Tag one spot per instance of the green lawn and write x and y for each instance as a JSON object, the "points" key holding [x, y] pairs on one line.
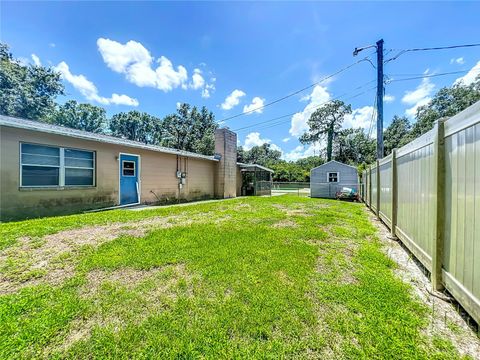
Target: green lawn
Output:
{"points": [[279, 277]]}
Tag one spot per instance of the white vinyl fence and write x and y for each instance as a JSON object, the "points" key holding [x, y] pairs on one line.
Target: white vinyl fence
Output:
{"points": [[428, 194]]}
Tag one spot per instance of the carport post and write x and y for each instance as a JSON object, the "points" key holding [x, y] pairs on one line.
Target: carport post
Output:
{"points": [[394, 194], [377, 200], [439, 204]]}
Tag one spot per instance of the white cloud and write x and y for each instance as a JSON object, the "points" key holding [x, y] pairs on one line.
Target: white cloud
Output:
{"points": [[121, 100], [207, 90], [318, 97], [198, 81], [52, 45], [255, 106], [232, 100], [418, 97], [89, 90], [254, 139], [36, 60], [302, 151], [135, 61], [359, 118], [167, 77], [388, 98], [119, 57], [469, 77], [411, 112], [275, 147], [287, 139], [459, 61]]}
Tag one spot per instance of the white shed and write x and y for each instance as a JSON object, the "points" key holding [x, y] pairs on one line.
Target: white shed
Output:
{"points": [[327, 179]]}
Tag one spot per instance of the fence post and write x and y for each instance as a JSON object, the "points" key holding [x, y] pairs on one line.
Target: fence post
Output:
{"points": [[377, 200], [394, 189], [439, 204]]}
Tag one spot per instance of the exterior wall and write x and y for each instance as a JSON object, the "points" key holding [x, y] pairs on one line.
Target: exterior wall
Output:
{"points": [[319, 185], [226, 146], [157, 174]]}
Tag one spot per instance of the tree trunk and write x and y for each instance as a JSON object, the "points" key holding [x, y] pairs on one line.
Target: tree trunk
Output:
{"points": [[329, 144]]}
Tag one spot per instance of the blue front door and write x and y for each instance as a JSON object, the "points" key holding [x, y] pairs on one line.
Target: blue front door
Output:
{"points": [[129, 186]]}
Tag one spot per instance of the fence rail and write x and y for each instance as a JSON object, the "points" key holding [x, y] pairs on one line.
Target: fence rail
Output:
{"points": [[428, 194], [297, 188], [282, 185]]}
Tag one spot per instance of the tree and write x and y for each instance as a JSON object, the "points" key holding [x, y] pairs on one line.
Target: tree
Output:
{"points": [[190, 130], [310, 162], [295, 170], [26, 91], [447, 102], [137, 126], [288, 172], [262, 155], [353, 146], [396, 134], [326, 121], [79, 116], [241, 154]]}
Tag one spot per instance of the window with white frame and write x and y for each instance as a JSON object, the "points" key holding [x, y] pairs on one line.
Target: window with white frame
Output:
{"points": [[332, 177], [128, 168], [44, 166]]}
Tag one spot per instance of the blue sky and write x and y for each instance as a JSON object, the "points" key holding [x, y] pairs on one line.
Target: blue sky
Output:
{"points": [[232, 57]]}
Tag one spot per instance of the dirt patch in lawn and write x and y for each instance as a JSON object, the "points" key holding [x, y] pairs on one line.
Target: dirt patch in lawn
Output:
{"points": [[285, 224], [297, 210], [52, 259], [446, 319], [129, 279], [138, 294], [339, 269]]}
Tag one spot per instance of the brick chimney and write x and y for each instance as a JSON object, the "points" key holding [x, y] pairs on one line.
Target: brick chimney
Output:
{"points": [[226, 179]]}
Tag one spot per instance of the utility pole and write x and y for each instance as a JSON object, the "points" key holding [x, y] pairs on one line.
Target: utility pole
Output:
{"points": [[380, 90], [380, 99]]}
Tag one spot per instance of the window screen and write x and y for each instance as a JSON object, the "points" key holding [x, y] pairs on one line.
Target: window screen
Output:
{"points": [[55, 166], [333, 177], [40, 165]]}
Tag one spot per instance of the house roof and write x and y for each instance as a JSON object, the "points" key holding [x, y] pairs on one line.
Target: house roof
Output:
{"points": [[9, 121], [333, 161], [250, 166]]}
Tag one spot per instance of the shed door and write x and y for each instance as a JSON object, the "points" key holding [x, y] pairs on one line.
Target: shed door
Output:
{"points": [[129, 187], [333, 188]]}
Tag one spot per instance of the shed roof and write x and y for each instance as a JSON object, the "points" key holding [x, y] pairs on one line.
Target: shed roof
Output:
{"points": [[9, 121], [337, 162], [251, 167]]}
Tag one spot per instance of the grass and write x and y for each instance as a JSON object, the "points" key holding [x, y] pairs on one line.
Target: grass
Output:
{"points": [[280, 277]]}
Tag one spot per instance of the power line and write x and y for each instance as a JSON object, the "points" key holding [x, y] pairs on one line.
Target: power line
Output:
{"points": [[297, 91], [430, 49], [422, 76], [286, 121], [352, 97], [372, 117], [283, 116]]}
